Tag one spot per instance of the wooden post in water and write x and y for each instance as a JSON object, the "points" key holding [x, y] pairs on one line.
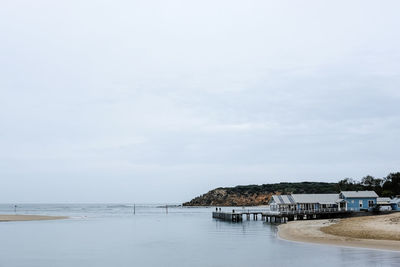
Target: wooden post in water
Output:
{"points": [[166, 209], [134, 209]]}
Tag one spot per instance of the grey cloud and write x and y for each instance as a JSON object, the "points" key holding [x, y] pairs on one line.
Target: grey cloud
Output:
{"points": [[157, 101]]}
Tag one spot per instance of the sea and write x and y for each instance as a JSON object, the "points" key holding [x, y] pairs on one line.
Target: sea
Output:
{"points": [[113, 235]]}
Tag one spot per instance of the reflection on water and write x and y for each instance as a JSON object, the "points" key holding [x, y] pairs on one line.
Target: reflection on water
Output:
{"points": [[111, 235]]}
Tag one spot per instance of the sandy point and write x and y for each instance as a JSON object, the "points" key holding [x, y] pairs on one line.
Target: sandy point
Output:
{"points": [[12, 218], [374, 232]]}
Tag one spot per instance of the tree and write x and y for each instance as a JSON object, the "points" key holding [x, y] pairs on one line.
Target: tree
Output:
{"points": [[392, 183], [368, 181], [349, 184], [386, 193], [372, 183]]}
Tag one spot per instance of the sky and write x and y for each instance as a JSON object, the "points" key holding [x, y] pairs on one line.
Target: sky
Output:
{"points": [[161, 101]]}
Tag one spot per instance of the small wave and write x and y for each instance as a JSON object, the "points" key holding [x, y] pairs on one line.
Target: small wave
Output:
{"points": [[119, 206]]}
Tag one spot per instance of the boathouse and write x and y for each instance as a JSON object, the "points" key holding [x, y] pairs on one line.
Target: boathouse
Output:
{"points": [[359, 200], [306, 202], [395, 203], [383, 204], [383, 201]]}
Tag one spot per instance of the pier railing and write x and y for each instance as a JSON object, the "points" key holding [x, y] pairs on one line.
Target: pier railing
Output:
{"points": [[245, 211], [300, 212], [277, 216], [252, 211], [282, 212]]}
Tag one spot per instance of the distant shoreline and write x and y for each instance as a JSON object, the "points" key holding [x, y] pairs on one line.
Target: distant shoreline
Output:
{"points": [[373, 232], [16, 218]]}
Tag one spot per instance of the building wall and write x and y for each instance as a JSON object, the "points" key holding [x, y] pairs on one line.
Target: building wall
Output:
{"points": [[307, 206], [353, 204], [395, 206]]}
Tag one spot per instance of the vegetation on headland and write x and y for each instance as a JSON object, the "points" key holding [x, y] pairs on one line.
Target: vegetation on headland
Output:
{"points": [[252, 195], [385, 187]]}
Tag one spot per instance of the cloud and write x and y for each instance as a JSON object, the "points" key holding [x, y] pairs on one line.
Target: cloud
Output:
{"points": [[187, 96]]}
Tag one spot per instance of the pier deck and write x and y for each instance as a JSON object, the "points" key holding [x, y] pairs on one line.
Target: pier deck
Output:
{"points": [[279, 216]]}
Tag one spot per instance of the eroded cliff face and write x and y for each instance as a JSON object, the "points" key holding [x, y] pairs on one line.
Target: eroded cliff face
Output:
{"points": [[221, 197]]}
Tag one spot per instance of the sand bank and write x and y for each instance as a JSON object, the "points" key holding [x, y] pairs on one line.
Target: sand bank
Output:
{"points": [[377, 232], [8, 218]]}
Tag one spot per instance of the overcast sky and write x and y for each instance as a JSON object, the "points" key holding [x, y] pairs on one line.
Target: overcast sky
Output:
{"points": [[161, 101]]}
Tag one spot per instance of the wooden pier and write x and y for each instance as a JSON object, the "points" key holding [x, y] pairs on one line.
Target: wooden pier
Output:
{"points": [[228, 216], [237, 216], [279, 216]]}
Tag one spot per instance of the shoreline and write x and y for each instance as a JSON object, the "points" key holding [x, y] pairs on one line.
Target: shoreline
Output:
{"points": [[20, 218], [361, 232]]}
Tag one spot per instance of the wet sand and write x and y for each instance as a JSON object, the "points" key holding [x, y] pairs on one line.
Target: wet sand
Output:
{"points": [[12, 218], [376, 232]]}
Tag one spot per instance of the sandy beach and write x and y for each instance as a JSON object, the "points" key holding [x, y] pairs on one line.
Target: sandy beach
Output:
{"points": [[376, 232], [12, 218]]}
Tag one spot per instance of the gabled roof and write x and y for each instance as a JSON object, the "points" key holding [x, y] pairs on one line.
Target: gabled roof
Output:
{"points": [[383, 200], [359, 194], [316, 198], [306, 198], [395, 200], [283, 199]]}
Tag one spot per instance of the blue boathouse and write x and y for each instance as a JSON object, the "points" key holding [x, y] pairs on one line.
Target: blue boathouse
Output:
{"points": [[359, 200]]}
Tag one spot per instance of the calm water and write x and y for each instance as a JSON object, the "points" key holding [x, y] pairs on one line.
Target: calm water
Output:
{"points": [[110, 235]]}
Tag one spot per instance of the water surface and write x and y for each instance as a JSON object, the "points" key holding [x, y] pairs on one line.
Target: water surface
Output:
{"points": [[111, 235]]}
